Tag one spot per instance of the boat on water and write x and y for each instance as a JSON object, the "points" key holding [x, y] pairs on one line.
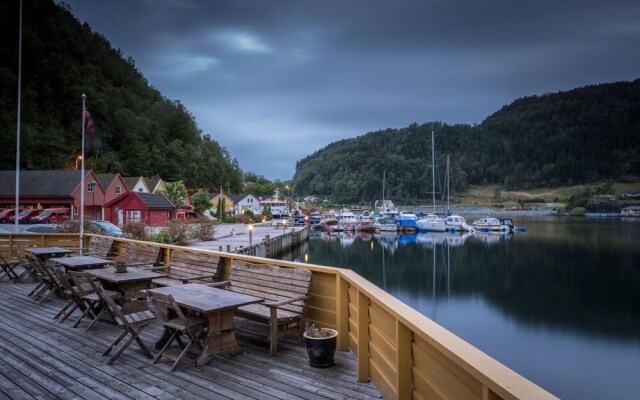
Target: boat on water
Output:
{"points": [[347, 220], [457, 223], [365, 222], [329, 218], [489, 224], [510, 226], [432, 223], [385, 224]]}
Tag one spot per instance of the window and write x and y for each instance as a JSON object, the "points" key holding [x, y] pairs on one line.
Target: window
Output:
{"points": [[118, 189], [140, 190], [90, 187], [76, 210], [133, 215]]}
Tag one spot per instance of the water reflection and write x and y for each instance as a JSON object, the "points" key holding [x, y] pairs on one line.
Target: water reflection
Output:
{"points": [[547, 302], [579, 280]]}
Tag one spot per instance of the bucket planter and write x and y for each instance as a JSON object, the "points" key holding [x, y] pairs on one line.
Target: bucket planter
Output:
{"points": [[321, 346]]}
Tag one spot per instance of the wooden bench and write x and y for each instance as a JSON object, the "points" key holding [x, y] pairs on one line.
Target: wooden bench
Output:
{"points": [[285, 291], [99, 247], [186, 267], [140, 255]]}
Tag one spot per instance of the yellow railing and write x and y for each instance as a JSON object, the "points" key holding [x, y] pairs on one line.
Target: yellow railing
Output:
{"points": [[403, 352]]}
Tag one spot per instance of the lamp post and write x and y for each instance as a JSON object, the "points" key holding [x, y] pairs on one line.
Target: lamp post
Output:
{"points": [[250, 234]]}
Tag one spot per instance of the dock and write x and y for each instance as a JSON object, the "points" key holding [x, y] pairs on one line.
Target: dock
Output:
{"points": [[238, 238], [43, 358]]}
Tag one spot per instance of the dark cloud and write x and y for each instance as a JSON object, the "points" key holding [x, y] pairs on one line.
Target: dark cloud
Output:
{"points": [[273, 81]]}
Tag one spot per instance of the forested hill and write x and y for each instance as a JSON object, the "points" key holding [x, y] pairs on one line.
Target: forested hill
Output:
{"points": [[137, 130], [571, 137]]}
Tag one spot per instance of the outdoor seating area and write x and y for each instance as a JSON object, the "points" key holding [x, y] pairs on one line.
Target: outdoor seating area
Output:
{"points": [[131, 325]]}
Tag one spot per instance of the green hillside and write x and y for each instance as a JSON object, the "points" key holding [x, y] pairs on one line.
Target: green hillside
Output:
{"points": [[138, 131], [583, 135]]}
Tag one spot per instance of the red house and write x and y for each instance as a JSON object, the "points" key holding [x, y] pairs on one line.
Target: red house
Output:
{"points": [[152, 209]]}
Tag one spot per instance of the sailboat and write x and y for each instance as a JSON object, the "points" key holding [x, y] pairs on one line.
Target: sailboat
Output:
{"points": [[385, 223], [454, 222], [432, 223]]}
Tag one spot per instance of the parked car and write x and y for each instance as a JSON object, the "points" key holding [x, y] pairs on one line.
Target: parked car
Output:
{"points": [[41, 228], [107, 228], [6, 215], [52, 215], [2, 230], [25, 216]]}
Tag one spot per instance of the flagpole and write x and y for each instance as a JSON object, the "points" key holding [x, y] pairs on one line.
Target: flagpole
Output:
{"points": [[84, 97], [18, 123]]}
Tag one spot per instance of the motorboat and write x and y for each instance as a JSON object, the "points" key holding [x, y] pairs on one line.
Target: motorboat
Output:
{"points": [[385, 224], [457, 223], [489, 224], [431, 223]]}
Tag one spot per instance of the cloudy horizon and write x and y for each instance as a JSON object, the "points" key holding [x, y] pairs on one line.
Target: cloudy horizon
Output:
{"points": [[276, 81]]}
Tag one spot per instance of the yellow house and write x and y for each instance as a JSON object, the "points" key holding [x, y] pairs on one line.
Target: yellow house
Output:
{"points": [[215, 198]]}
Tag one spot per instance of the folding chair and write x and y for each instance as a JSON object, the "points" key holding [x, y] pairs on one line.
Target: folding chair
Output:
{"points": [[90, 302], [69, 291], [190, 326], [8, 269], [28, 268], [132, 322], [47, 285]]}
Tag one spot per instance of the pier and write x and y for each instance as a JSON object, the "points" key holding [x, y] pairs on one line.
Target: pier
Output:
{"points": [[263, 240]]}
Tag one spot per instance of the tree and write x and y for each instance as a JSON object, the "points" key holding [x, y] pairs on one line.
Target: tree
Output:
{"points": [[176, 192], [200, 202]]}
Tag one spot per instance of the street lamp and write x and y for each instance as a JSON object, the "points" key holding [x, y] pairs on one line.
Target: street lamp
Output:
{"points": [[250, 233], [284, 226]]}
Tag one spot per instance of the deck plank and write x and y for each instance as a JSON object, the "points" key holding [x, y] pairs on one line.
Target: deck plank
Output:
{"points": [[43, 358]]}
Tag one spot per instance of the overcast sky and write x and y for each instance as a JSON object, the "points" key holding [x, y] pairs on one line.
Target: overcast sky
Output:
{"points": [[274, 81]]}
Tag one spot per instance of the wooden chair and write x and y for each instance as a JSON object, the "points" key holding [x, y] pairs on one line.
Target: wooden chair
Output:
{"points": [[91, 304], [8, 269], [47, 284], [132, 322], [184, 325], [28, 268], [69, 291]]}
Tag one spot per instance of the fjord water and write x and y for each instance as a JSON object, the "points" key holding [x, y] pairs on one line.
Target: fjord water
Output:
{"points": [[559, 304]]}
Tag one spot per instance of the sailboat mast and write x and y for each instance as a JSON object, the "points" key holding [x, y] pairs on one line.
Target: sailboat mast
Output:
{"points": [[433, 172], [448, 190], [384, 176]]}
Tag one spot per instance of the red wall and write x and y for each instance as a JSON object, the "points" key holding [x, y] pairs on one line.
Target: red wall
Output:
{"points": [[158, 217]]}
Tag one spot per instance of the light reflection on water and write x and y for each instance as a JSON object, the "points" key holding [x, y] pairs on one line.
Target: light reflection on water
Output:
{"points": [[559, 304]]}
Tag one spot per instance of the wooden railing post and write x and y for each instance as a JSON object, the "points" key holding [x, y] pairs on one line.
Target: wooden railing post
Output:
{"points": [[363, 337], [342, 312], [404, 361]]}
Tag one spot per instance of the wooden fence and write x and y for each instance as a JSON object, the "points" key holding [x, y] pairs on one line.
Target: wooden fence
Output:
{"points": [[403, 352]]}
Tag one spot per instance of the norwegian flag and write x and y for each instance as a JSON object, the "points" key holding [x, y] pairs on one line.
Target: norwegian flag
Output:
{"points": [[90, 126]]}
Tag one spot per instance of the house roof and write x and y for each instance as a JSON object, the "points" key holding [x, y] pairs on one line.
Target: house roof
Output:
{"points": [[131, 181], [156, 201], [152, 182], [238, 197], [54, 183], [151, 200], [105, 180]]}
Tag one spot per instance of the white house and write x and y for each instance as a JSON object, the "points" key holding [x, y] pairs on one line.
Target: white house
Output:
{"points": [[244, 202]]}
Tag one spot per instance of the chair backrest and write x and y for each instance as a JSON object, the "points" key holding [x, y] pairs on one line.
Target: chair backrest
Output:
{"points": [[163, 303], [38, 265], [62, 280], [80, 279], [100, 247], [17, 255], [271, 283], [118, 315]]}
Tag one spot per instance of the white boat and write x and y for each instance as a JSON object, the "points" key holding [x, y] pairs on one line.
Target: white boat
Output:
{"points": [[488, 224], [432, 222], [457, 223], [408, 215], [385, 224], [347, 219]]}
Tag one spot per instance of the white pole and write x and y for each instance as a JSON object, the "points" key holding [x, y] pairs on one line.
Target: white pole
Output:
{"points": [[18, 123], [84, 97], [433, 172]]}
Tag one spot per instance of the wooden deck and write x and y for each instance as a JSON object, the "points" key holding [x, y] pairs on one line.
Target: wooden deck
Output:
{"points": [[43, 358]]}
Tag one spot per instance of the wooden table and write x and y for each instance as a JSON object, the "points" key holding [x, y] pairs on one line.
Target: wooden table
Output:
{"points": [[217, 306], [131, 284], [45, 253], [80, 263]]}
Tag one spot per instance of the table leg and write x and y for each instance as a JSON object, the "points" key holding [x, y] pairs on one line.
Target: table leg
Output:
{"points": [[220, 336]]}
